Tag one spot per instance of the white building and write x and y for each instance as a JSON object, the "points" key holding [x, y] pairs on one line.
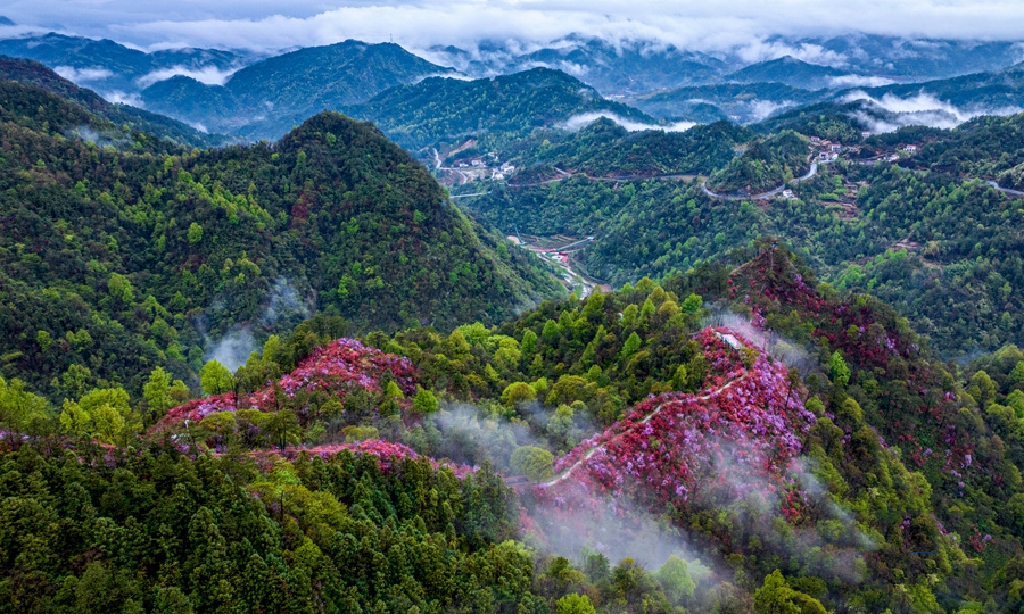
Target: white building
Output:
{"points": [[788, 194], [507, 168], [477, 162]]}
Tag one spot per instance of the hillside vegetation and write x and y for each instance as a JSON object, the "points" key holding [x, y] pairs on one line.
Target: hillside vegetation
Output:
{"points": [[115, 261]]}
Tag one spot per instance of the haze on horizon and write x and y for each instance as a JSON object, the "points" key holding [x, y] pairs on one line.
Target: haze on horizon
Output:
{"points": [[274, 25]]}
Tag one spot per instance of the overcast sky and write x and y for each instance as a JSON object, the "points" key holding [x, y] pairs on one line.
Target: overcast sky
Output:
{"points": [[268, 25]]}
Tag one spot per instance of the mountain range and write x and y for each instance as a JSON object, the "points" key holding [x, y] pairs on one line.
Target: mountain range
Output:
{"points": [[253, 97], [268, 98], [116, 71]]}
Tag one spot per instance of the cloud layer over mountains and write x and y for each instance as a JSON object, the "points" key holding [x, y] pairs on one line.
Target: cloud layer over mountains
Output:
{"points": [[279, 24]]}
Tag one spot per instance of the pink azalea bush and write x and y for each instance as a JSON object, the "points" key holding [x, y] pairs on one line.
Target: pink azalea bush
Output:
{"points": [[337, 367], [388, 453], [734, 439]]}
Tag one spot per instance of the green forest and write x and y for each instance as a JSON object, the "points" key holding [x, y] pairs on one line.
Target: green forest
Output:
{"points": [[115, 261]]}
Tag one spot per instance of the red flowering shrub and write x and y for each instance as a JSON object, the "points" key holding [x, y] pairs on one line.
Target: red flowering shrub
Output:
{"points": [[337, 367], [386, 451], [734, 439], [916, 407]]}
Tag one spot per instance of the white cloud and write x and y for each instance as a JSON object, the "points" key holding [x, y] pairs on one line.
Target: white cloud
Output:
{"points": [[859, 81], [923, 109], [576, 122], [82, 75], [705, 24], [455, 76], [210, 75], [760, 51], [119, 97], [762, 109]]}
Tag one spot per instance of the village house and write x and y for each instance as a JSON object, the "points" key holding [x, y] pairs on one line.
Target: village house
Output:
{"points": [[788, 194], [910, 148]]}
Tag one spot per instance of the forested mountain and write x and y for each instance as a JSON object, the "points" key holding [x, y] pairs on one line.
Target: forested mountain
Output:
{"points": [[35, 74], [266, 99], [987, 147], [790, 71], [440, 109], [117, 260], [842, 122]]}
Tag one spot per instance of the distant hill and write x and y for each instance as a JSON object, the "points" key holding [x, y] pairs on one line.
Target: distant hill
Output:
{"points": [[197, 103], [984, 93], [793, 72], [440, 109], [5, 21], [266, 99], [33, 73], [914, 59], [625, 68], [640, 67], [740, 102]]}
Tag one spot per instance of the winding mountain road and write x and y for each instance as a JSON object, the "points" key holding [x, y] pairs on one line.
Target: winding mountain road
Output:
{"points": [[763, 195], [1005, 190], [565, 474]]}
